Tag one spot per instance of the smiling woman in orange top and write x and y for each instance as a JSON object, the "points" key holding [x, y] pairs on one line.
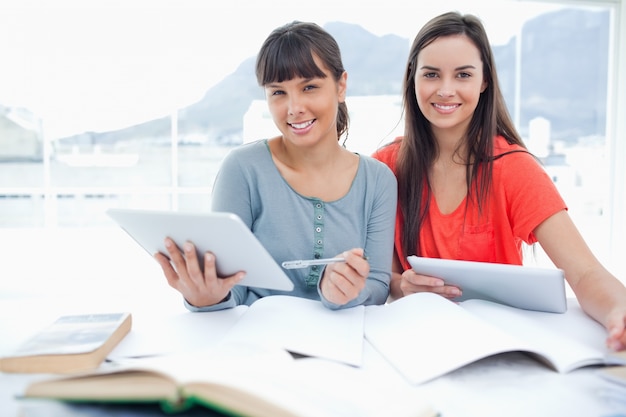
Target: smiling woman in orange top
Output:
{"points": [[468, 188]]}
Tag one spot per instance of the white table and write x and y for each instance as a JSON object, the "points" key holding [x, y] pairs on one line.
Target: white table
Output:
{"points": [[54, 272]]}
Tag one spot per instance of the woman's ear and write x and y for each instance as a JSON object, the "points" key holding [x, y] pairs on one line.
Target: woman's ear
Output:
{"points": [[342, 86]]}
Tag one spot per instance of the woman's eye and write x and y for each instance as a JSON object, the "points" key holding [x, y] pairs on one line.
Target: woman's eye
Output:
{"points": [[430, 75], [278, 93], [464, 75], [309, 87]]}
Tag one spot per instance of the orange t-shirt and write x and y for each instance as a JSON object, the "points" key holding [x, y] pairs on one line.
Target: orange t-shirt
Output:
{"points": [[522, 196]]}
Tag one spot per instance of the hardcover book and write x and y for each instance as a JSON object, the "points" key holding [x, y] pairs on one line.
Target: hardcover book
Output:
{"points": [[70, 344], [237, 379]]}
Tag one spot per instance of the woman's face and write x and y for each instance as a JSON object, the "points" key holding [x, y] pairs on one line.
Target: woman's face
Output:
{"points": [[305, 110], [448, 83]]}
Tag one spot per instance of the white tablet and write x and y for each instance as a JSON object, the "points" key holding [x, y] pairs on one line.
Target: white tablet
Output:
{"points": [[225, 234], [530, 288]]}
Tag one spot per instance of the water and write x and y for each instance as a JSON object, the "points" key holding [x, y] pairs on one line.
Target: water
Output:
{"points": [[78, 197]]}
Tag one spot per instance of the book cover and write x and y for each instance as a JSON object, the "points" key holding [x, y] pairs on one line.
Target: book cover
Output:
{"points": [[72, 343]]}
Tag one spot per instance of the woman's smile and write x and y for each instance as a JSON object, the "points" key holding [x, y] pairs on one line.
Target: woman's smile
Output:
{"points": [[446, 108], [301, 127]]}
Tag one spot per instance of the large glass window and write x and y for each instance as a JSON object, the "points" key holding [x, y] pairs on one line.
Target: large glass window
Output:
{"points": [[134, 104]]}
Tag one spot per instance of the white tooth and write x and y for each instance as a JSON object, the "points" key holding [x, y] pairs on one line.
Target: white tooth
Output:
{"points": [[301, 125]]}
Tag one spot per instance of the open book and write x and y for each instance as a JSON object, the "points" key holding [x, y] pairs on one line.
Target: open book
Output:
{"points": [[616, 373], [303, 327], [298, 325], [239, 379], [72, 343], [424, 335]]}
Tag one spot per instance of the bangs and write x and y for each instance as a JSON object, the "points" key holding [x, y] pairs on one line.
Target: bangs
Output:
{"points": [[287, 58]]}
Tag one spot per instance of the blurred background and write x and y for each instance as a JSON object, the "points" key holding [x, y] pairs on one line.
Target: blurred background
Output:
{"points": [[135, 103]]}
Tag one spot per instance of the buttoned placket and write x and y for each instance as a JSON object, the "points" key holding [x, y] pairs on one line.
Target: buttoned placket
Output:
{"points": [[318, 248]]}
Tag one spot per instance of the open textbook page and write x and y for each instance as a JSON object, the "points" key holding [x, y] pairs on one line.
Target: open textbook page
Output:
{"points": [[163, 332], [299, 325], [239, 379], [303, 326], [424, 335]]}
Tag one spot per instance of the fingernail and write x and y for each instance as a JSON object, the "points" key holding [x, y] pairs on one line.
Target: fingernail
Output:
{"points": [[188, 247], [208, 257]]}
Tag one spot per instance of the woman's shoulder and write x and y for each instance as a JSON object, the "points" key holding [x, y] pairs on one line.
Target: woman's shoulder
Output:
{"points": [[505, 152], [249, 147], [373, 163], [502, 146], [512, 161], [247, 150], [247, 157], [388, 153], [376, 172]]}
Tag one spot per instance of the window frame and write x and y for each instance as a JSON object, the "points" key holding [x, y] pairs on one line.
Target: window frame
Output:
{"points": [[616, 129]]}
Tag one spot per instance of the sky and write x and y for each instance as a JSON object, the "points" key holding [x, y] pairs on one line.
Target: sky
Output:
{"points": [[97, 65]]}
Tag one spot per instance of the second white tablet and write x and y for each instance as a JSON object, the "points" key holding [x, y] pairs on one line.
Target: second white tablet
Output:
{"points": [[530, 288]]}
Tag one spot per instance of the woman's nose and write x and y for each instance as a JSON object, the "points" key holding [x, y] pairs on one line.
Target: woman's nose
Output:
{"points": [[446, 88], [445, 92], [295, 105]]}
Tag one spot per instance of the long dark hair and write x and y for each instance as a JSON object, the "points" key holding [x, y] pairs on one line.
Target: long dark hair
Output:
{"points": [[288, 52], [418, 149]]}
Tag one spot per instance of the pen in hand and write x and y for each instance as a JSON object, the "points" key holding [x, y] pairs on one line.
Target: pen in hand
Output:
{"points": [[304, 263]]}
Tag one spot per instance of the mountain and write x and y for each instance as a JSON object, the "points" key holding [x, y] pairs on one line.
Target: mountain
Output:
{"points": [[559, 53], [565, 73], [374, 64]]}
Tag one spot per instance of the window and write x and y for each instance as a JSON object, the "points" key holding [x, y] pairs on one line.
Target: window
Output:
{"points": [[135, 105]]}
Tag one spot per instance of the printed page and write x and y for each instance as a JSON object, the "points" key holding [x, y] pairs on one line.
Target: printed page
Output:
{"points": [[115, 381], [303, 326], [298, 385], [424, 336], [165, 333], [346, 391], [569, 340], [238, 373]]}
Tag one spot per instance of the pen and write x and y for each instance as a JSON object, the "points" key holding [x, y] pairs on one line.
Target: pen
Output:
{"points": [[304, 263]]}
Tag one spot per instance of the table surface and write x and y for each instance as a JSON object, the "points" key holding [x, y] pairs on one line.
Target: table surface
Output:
{"points": [[48, 273]]}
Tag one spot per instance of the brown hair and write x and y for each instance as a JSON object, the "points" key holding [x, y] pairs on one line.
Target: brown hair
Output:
{"points": [[418, 149], [288, 53]]}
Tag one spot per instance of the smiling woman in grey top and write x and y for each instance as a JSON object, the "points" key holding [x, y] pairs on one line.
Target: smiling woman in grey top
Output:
{"points": [[302, 194], [293, 226]]}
